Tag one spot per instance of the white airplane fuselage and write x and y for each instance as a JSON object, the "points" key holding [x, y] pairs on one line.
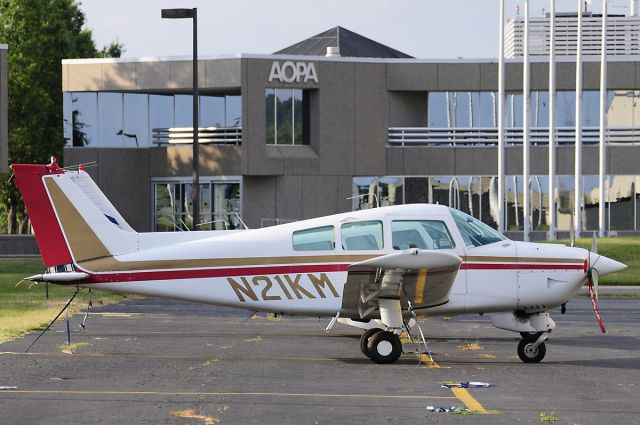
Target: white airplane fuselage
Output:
{"points": [[259, 270]]}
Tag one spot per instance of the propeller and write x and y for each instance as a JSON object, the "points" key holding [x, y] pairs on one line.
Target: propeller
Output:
{"points": [[592, 275]]}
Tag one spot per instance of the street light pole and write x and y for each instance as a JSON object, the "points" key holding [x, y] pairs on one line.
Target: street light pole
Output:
{"points": [[195, 194]]}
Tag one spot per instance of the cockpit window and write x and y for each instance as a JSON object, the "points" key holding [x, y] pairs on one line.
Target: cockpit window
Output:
{"points": [[316, 239], [421, 234], [362, 235], [473, 231]]}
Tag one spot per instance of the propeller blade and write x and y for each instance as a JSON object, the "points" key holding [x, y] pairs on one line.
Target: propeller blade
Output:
{"points": [[594, 278], [594, 244], [594, 303]]}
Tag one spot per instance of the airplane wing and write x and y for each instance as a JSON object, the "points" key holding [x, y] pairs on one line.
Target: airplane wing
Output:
{"points": [[424, 277]]}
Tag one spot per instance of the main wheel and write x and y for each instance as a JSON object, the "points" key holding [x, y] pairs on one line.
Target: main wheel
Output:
{"points": [[528, 353], [384, 347], [364, 339]]}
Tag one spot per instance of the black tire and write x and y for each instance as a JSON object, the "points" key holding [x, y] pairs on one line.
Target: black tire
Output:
{"points": [[528, 354], [364, 339], [530, 336], [384, 347]]}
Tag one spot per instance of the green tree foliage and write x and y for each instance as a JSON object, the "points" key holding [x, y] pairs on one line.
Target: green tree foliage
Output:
{"points": [[39, 33]]}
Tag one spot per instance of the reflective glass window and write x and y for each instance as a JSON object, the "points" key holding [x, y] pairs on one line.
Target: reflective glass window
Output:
{"points": [[136, 114], [363, 235], [233, 110], [226, 205], [212, 111], [271, 116], [540, 109], [110, 119], [513, 103], [437, 110], [160, 111], [316, 239], [624, 108], [421, 234], [84, 119], [183, 107], [285, 116], [566, 108], [67, 119]]}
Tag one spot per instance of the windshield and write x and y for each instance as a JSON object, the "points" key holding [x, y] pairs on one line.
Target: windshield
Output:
{"points": [[473, 231]]}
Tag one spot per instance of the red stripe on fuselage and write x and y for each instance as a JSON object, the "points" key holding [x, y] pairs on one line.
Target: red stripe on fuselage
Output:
{"points": [[209, 273], [135, 276]]}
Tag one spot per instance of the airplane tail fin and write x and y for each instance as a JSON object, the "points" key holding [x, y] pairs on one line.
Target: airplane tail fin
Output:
{"points": [[72, 219]]}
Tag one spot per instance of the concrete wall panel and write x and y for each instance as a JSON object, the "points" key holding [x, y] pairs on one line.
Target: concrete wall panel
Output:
{"points": [[258, 199], [395, 161], [344, 190], [289, 197], [407, 109], [173, 161], [621, 75], [623, 160], [85, 77], [429, 161], [119, 76], [489, 76], [418, 77], [223, 73], [153, 75], [337, 118], [182, 74], [320, 196], [130, 190], [371, 119], [459, 76], [472, 162]]}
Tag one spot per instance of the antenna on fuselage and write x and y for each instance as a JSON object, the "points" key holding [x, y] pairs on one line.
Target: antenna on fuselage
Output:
{"points": [[242, 222], [367, 194]]}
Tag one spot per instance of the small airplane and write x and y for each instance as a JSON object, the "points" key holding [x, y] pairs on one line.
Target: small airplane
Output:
{"points": [[376, 269]]}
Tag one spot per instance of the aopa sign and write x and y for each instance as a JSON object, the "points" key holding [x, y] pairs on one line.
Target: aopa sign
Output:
{"points": [[293, 72]]}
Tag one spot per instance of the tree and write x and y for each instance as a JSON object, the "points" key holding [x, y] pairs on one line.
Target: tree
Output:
{"points": [[39, 33]]}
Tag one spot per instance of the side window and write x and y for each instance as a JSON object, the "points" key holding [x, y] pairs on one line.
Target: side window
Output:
{"points": [[316, 239], [363, 235], [421, 234]]}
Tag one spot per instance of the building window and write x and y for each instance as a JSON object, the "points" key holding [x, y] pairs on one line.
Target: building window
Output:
{"points": [[477, 196], [219, 204], [287, 112], [114, 119]]}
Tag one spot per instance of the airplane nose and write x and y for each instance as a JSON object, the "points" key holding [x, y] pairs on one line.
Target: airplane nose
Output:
{"points": [[605, 265]]}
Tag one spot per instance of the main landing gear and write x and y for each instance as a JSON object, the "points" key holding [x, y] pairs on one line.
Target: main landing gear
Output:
{"points": [[381, 346], [531, 348]]}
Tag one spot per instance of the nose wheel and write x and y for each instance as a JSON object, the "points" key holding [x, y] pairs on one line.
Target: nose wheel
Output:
{"points": [[531, 348]]}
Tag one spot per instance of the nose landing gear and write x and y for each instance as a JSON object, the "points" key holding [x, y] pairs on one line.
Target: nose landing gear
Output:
{"points": [[531, 348]]}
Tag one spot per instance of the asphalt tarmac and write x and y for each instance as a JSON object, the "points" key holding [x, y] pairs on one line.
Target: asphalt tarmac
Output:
{"points": [[152, 361]]}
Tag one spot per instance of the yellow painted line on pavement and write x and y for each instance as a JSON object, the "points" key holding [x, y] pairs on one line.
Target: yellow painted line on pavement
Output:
{"points": [[227, 394], [467, 399], [424, 358]]}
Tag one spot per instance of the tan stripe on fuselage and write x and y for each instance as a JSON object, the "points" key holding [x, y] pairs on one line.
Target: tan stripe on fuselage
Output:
{"points": [[111, 264], [82, 240]]}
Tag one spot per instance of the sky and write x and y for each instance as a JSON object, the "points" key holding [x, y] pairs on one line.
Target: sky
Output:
{"points": [[433, 29]]}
